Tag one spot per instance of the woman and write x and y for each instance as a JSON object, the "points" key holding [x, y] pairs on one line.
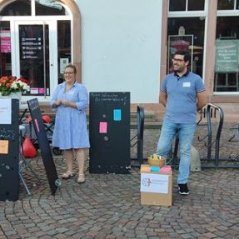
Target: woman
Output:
{"points": [[70, 132]]}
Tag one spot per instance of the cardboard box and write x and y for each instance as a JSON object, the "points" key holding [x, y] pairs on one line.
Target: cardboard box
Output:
{"points": [[156, 188]]}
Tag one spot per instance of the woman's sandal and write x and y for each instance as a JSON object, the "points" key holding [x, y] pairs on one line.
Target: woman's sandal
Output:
{"points": [[81, 178], [67, 175]]}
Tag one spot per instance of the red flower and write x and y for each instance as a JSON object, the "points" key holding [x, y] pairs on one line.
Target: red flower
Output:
{"points": [[11, 84]]}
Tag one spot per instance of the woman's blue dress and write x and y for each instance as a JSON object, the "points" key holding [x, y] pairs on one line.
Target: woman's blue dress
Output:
{"points": [[70, 130]]}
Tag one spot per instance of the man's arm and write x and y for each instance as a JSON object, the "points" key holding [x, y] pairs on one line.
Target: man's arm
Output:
{"points": [[163, 98], [202, 99]]}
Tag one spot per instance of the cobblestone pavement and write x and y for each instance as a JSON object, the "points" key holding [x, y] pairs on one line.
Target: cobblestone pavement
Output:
{"points": [[108, 205]]}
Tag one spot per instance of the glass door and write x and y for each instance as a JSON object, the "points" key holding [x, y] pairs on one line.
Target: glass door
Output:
{"points": [[36, 55]]}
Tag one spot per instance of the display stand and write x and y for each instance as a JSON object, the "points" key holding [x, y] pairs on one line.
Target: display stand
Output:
{"points": [[109, 132], [9, 149], [54, 181]]}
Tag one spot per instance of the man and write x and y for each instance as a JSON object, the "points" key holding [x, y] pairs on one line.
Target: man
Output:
{"points": [[182, 93]]}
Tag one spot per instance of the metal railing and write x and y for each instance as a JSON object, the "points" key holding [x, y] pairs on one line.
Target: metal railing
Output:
{"points": [[138, 139], [211, 111]]}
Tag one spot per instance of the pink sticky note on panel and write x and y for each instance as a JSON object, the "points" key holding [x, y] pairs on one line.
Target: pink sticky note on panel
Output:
{"points": [[103, 127], [37, 125]]}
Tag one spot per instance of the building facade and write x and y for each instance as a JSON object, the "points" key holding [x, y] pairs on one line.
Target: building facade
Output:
{"points": [[122, 45], [212, 33]]}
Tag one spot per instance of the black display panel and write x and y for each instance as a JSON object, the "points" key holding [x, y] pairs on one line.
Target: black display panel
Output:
{"points": [[9, 150], [44, 146], [109, 131]]}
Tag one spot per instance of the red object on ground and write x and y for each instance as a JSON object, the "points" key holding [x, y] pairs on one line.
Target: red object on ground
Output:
{"points": [[46, 119], [28, 149]]}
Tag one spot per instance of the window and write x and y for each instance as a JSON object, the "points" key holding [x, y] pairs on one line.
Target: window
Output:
{"points": [[186, 5], [25, 8], [177, 5], [227, 54], [64, 46], [17, 8], [196, 5], [227, 4], [34, 47], [191, 38], [5, 48], [44, 7]]}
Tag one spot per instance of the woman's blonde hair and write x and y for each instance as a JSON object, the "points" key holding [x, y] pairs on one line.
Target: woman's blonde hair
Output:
{"points": [[72, 67]]}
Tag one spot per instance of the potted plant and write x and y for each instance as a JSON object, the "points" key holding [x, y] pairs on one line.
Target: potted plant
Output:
{"points": [[12, 85]]}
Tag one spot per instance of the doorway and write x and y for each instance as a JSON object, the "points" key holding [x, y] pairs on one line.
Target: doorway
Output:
{"points": [[37, 40], [35, 52]]}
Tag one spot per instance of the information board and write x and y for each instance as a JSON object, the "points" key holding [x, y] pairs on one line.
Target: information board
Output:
{"points": [[43, 142], [31, 42], [9, 150], [109, 132], [227, 58]]}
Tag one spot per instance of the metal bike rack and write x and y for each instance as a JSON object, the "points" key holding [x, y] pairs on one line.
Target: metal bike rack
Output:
{"points": [[217, 161], [139, 137], [208, 112], [213, 109]]}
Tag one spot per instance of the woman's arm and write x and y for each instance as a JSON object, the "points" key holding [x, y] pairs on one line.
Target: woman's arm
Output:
{"points": [[54, 101]]}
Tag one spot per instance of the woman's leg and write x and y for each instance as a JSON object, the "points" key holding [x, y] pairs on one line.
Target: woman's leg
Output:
{"points": [[68, 156], [80, 158]]}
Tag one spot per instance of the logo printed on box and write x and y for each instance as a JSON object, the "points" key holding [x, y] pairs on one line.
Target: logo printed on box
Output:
{"points": [[157, 183]]}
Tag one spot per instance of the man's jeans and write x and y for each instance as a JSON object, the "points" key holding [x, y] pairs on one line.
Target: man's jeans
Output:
{"points": [[185, 133]]}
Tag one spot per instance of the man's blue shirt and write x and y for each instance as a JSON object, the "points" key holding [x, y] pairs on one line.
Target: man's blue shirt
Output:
{"points": [[182, 96]]}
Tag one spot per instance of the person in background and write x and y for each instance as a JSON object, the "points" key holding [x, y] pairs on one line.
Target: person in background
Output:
{"points": [[70, 99], [183, 94]]}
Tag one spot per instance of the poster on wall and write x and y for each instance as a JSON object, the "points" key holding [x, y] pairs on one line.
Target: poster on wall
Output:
{"points": [[31, 45], [176, 43], [63, 63], [34, 57], [227, 58], [5, 41]]}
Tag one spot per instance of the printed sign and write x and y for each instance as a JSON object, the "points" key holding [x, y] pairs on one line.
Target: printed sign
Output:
{"points": [[154, 183], [31, 42], [227, 56]]}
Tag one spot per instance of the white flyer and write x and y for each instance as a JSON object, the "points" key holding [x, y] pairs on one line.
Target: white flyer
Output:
{"points": [[5, 111], [154, 183]]}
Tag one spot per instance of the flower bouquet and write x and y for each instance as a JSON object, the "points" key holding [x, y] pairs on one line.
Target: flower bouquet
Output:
{"points": [[12, 84]]}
